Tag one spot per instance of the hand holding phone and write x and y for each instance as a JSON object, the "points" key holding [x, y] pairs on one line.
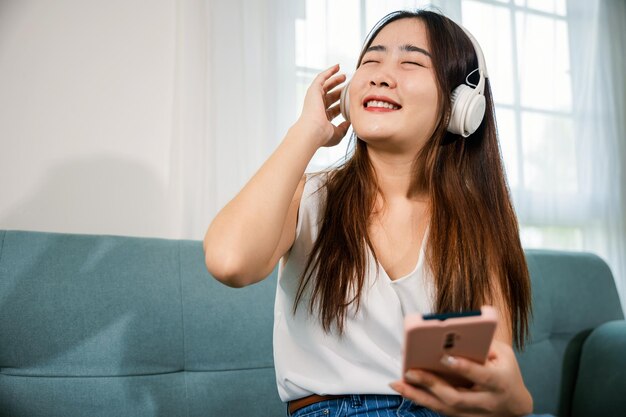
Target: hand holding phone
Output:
{"points": [[428, 338]]}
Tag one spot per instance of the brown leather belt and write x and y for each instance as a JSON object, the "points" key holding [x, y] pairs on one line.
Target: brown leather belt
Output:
{"points": [[311, 399]]}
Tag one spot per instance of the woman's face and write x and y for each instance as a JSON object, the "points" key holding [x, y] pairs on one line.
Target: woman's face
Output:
{"points": [[393, 94]]}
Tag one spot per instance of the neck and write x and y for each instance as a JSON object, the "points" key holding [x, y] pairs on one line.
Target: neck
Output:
{"points": [[395, 173]]}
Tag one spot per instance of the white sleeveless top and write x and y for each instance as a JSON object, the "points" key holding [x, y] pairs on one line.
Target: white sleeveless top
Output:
{"points": [[367, 357]]}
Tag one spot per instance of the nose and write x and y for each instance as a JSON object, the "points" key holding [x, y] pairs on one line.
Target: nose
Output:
{"points": [[382, 78]]}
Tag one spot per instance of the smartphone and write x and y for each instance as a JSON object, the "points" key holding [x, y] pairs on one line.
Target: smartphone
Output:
{"points": [[467, 334]]}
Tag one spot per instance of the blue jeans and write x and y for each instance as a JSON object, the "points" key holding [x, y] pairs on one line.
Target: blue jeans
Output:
{"points": [[370, 406], [365, 406]]}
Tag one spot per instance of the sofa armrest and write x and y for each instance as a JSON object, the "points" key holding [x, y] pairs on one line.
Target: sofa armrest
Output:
{"points": [[601, 378]]}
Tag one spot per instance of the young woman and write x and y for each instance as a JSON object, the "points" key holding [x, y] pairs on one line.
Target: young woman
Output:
{"points": [[417, 220]]}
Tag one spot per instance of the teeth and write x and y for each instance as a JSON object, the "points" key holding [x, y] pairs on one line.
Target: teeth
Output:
{"points": [[383, 104]]}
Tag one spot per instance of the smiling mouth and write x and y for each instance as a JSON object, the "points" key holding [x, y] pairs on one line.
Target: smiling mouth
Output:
{"points": [[378, 104]]}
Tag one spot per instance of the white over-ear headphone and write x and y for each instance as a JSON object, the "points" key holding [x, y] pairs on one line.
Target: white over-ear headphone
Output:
{"points": [[468, 100], [344, 102]]}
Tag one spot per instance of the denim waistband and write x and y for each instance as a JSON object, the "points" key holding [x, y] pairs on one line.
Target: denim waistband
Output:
{"points": [[362, 405]]}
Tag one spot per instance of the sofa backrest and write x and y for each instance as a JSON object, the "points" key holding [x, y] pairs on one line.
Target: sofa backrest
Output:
{"points": [[120, 326], [572, 294], [103, 325]]}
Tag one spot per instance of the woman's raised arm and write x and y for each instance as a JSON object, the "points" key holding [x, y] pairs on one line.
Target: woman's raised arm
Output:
{"points": [[250, 234]]}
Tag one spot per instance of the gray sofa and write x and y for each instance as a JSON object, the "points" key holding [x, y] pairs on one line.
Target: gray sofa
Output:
{"points": [[122, 326]]}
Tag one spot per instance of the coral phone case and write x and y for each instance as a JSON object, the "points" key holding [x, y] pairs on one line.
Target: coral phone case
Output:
{"points": [[428, 338]]}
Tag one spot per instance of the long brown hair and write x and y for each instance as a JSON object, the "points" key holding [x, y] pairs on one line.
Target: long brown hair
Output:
{"points": [[473, 231]]}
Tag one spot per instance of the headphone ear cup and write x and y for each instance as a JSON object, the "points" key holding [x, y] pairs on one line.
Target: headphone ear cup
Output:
{"points": [[344, 102], [468, 109], [475, 113]]}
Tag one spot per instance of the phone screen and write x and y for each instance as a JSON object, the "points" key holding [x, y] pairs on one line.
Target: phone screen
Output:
{"points": [[445, 316]]}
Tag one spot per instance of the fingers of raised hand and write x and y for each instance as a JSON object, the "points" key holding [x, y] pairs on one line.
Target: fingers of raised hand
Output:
{"points": [[332, 93], [333, 112], [328, 79], [323, 77], [333, 82], [325, 84], [332, 97]]}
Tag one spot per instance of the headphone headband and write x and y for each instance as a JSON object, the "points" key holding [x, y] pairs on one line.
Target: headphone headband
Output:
{"points": [[482, 66]]}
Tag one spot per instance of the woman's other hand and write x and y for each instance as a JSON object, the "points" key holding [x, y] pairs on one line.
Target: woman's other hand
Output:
{"points": [[321, 106], [498, 388]]}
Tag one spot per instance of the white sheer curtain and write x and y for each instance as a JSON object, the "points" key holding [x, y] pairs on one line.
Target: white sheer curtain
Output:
{"points": [[598, 41], [234, 99]]}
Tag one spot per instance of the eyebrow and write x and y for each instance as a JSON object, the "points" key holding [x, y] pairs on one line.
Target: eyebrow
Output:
{"points": [[406, 47]]}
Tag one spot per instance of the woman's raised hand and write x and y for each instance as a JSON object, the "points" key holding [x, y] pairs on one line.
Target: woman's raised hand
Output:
{"points": [[321, 107]]}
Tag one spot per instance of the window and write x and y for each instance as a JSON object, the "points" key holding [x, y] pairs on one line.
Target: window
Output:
{"points": [[527, 51]]}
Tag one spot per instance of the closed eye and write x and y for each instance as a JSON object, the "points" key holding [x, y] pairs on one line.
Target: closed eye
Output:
{"points": [[369, 61], [413, 63]]}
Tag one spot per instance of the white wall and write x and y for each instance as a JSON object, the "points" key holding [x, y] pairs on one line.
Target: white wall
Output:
{"points": [[86, 98]]}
